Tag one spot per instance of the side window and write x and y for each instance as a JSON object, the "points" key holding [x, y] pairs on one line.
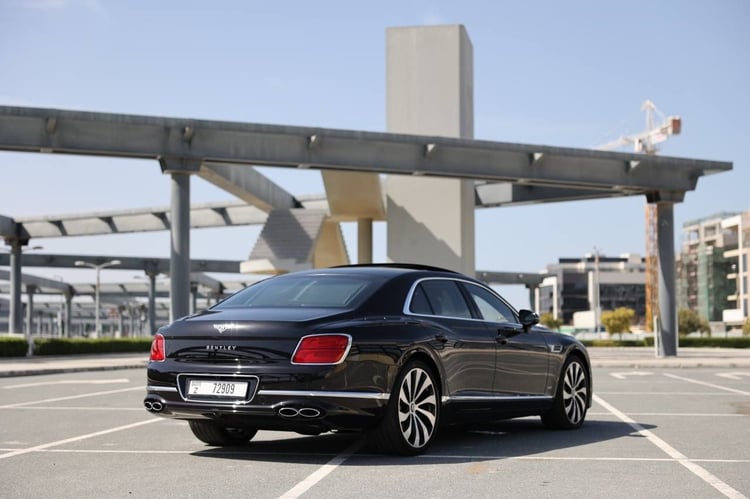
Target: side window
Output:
{"points": [[445, 298], [490, 306], [419, 303]]}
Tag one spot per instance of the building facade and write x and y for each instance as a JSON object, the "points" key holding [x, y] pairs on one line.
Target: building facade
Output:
{"points": [[571, 286], [712, 270]]}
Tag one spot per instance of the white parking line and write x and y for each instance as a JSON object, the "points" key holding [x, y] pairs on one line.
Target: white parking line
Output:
{"points": [[694, 468], [70, 382], [19, 452], [673, 414], [321, 472], [71, 397], [711, 385]]}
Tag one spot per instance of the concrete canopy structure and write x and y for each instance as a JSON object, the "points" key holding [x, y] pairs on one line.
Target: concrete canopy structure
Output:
{"points": [[495, 173]]}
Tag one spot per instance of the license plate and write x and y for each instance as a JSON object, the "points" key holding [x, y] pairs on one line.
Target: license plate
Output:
{"points": [[229, 389]]}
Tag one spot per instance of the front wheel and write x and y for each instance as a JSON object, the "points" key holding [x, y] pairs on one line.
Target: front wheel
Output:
{"points": [[215, 434], [571, 401], [411, 418]]}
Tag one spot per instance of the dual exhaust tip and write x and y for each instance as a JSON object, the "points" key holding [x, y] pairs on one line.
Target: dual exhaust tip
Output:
{"points": [[305, 412], [152, 405]]}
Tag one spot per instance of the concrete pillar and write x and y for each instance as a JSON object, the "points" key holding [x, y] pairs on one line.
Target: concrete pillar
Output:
{"points": [[151, 302], [429, 86], [180, 170], [364, 240], [179, 272], [193, 298], [15, 316], [30, 290], [533, 294], [68, 311], [667, 344]]}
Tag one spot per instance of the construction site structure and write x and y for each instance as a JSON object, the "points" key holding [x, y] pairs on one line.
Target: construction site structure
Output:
{"points": [[645, 142]]}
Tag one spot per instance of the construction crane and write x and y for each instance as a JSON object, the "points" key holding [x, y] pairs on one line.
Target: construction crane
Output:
{"points": [[645, 142]]}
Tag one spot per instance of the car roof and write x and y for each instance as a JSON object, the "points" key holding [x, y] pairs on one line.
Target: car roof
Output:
{"points": [[381, 269]]}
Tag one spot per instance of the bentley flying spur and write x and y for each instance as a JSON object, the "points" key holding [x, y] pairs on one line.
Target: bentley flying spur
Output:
{"points": [[394, 351]]}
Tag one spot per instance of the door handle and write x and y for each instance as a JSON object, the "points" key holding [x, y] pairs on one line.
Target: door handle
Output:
{"points": [[501, 339]]}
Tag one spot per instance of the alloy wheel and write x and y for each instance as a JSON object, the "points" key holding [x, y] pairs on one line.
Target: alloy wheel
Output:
{"points": [[575, 392], [417, 407]]}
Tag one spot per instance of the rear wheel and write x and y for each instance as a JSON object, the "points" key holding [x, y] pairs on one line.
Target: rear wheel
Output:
{"points": [[215, 434], [569, 408], [412, 416]]}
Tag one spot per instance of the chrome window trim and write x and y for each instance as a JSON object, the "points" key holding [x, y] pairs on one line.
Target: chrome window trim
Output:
{"points": [[330, 394], [416, 283]]}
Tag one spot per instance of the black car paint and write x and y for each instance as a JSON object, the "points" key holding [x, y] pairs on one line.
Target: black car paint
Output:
{"points": [[485, 370]]}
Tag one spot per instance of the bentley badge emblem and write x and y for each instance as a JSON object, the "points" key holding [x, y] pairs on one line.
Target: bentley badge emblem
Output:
{"points": [[223, 327]]}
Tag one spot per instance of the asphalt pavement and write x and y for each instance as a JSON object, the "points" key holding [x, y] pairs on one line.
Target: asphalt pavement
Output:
{"points": [[625, 357]]}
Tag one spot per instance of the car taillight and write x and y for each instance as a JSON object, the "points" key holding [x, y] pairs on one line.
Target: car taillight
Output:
{"points": [[322, 349], [158, 354]]}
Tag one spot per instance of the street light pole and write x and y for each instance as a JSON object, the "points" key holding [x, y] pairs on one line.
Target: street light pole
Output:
{"points": [[98, 268]]}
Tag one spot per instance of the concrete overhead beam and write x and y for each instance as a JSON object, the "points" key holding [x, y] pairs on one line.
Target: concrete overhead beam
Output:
{"points": [[156, 265], [249, 185], [137, 220], [118, 135], [506, 193], [39, 282]]}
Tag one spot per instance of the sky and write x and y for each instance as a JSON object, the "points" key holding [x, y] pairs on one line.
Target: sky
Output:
{"points": [[571, 74]]}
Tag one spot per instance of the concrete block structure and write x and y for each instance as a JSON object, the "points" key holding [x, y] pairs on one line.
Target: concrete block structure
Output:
{"points": [[429, 88]]}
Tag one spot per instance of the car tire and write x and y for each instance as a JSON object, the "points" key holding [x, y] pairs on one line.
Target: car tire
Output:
{"points": [[571, 401], [215, 434], [412, 416]]}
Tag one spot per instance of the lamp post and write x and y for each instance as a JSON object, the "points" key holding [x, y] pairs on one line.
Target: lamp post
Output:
{"points": [[98, 268]]}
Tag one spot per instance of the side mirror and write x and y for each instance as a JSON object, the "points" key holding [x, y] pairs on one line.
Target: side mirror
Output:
{"points": [[528, 318]]}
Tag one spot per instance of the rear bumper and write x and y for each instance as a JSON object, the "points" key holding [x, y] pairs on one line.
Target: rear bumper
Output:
{"points": [[308, 399]]}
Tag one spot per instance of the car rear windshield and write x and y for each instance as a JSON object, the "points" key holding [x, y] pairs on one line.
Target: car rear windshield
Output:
{"points": [[325, 291]]}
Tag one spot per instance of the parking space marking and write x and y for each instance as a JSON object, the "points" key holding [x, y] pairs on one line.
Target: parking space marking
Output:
{"points": [[673, 414], [710, 385], [19, 452], [321, 472], [87, 409], [662, 394], [70, 382], [735, 376], [694, 468], [71, 397]]}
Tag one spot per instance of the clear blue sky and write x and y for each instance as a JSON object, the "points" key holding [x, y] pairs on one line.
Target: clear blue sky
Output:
{"points": [[568, 73]]}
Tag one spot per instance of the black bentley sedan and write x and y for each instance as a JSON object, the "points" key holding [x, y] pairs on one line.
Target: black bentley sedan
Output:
{"points": [[393, 350]]}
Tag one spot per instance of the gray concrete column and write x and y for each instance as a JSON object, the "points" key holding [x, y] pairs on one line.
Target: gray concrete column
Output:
{"points": [[193, 298], [180, 170], [667, 297], [68, 310], [364, 240], [151, 302], [429, 88], [30, 290], [533, 292], [179, 273], [15, 316]]}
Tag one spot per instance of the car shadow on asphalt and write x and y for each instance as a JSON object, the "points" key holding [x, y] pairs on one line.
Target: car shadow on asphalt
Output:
{"points": [[503, 440]]}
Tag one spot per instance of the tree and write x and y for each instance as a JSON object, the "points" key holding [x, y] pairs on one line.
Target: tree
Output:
{"points": [[618, 320], [746, 327], [689, 321], [547, 319]]}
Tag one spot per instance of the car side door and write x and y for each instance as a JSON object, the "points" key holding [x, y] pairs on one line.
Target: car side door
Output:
{"points": [[469, 353], [522, 356]]}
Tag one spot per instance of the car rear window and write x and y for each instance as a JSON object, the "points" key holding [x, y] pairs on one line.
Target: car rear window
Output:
{"points": [[325, 291]]}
